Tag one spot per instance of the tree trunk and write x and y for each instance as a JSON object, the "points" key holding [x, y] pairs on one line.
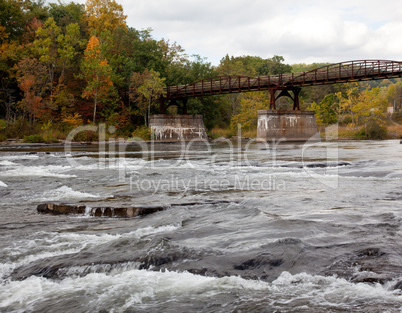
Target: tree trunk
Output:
{"points": [[149, 110], [95, 104]]}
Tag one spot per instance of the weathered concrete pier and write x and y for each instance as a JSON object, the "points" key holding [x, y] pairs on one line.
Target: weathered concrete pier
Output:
{"points": [[287, 125], [177, 127]]}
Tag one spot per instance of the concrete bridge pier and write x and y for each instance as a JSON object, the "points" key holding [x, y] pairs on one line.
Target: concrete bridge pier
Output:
{"points": [[167, 128], [287, 125]]}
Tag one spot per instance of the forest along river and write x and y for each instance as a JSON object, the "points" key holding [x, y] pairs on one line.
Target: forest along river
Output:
{"points": [[246, 228]]}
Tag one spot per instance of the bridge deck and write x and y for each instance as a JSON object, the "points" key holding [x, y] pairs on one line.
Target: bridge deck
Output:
{"points": [[330, 74]]}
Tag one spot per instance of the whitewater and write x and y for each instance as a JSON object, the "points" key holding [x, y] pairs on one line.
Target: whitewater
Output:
{"points": [[248, 227]]}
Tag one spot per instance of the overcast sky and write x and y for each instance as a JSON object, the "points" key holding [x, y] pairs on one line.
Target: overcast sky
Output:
{"points": [[302, 31]]}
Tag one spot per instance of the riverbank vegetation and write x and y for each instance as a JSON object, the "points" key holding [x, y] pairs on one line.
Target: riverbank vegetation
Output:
{"points": [[66, 65]]}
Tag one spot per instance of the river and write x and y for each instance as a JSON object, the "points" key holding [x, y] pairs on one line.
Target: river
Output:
{"points": [[247, 227]]}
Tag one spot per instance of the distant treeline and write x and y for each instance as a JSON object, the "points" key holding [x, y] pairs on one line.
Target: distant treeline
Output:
{"points": [[64, 65]]}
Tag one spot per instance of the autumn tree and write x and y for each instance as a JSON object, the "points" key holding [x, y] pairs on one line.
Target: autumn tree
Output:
{"points": [[8, 58], [250, 103], [145, 89], [104, 15], [32, 80], [365, 107], [98, 74], [348, 104]]}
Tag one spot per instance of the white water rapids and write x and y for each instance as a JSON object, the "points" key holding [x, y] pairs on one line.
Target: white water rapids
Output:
{"points": [[248, 228]]}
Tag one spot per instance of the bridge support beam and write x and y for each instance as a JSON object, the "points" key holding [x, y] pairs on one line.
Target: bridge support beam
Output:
{"points": [[287, 125], [181, 104], [284, 93], [171, 128]]}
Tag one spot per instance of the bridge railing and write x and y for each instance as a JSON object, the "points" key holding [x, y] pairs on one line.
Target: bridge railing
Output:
{"points": [[334, 73]]}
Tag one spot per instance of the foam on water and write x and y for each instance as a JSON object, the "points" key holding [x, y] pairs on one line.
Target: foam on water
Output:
{"points": [[66, 193], [19, 157], [7, 163], [141, 288], [50, 244], [38, 171]]}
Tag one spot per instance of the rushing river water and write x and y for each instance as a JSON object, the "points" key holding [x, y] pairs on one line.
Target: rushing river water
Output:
{"points": [[247, 228]]}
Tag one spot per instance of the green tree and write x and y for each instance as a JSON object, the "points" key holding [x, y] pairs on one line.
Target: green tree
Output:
{"points": [[274, 66], [152, 89], [57, 50], [325, 111], [47, 48], [12, 17], [137, 79], [69, 44]]}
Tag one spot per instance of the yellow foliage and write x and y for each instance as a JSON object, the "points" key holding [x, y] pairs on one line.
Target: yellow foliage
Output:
{"points": [[104, 15], [92, 46], [249, 105], [362, 106], [73, 120]]}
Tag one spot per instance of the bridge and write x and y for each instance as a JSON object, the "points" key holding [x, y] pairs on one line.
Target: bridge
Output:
{"points": [[343, 72]]}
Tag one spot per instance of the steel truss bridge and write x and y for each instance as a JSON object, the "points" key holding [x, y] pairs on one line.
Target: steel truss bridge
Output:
{"points": [[330, 74]]}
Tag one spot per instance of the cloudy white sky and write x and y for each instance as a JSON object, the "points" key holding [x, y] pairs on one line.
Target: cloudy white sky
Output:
{"points": [[302, 31]]}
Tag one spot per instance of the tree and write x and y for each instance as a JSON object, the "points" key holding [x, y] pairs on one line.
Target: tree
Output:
{"points": [[56, 51], [145, 89], [66, 14], [274, 66], [363, 106], [12, 17], [325, 111], [98, 74], [152, 89], [137, 79], [46, 47], [104, 15], [68, 46], [250, 103], [32, 79], [8, 83], [348, 105]]}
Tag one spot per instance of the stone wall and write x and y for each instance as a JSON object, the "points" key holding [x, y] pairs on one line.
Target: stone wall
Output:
{"points": [[177, 127], [287, 125]]}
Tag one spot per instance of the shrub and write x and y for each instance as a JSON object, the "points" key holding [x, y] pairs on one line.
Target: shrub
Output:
{"points": [[217, 132], [372, 130], [142, 132], [34, 138], [86, 136]]}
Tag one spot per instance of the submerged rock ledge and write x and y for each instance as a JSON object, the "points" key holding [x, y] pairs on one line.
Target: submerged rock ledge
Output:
{"points": [[58, 209], [127, 212]]}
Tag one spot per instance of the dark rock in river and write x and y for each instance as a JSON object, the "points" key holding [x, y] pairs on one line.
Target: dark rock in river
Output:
{"points": [[50, 208], [398, 285], [327, 164], [57, 209]]}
